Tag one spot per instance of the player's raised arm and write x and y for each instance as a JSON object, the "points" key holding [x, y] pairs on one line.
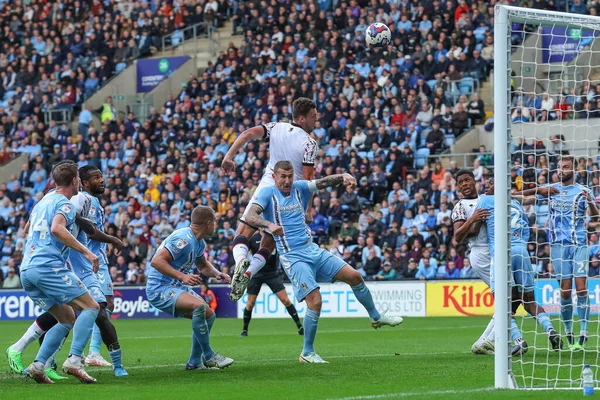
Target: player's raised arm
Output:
{"points": [[59, 229], [255, 219], [525, 200], [543, 191], [162, 262], [206, 268], [332, 181], [258, 132]]}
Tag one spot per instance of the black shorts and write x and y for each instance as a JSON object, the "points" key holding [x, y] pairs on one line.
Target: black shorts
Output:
{"points": [[274, 282]]}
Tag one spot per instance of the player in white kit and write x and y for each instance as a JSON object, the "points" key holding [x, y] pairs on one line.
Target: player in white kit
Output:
{"points": [[287, 141], [467, 220]]}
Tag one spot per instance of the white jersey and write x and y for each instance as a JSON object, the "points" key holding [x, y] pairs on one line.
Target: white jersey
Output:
{"points": [[480, 253], [82, 203], [462, 211], [288, 141]]}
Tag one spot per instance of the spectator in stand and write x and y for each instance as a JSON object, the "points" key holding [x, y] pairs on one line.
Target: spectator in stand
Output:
{"points": [[427, 268], [12, 280], [467, 272], [387, 273], [451, 271]]}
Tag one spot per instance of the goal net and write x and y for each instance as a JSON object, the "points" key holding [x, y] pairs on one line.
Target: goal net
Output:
{"points": [[547, 106]]}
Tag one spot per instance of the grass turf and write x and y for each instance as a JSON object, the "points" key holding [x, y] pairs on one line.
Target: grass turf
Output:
{"points": [[423, 358]]}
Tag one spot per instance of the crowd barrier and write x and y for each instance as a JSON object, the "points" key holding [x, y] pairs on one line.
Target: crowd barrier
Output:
{"points": [[404, 298]]}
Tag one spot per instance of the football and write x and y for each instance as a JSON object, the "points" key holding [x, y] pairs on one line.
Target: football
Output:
{"points": [[378, 35]]}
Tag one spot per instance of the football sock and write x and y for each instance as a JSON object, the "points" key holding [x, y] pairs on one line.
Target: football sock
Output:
{"points": [[53, 340], [240, 248], [196, 352], [51, 359], [489, 329], [363, 295], [84, 324], [247, 318], [211, 321], [311, 321], [566, 314], [95, 341], [258, 261], [544, 321], [33, 333], [583, 311], [515, 332], [200, 328], [294, 314], [116, 356]]}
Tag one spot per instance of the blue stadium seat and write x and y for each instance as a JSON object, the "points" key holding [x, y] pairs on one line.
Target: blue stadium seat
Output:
{"points": [[449, 140], [421, 157]]}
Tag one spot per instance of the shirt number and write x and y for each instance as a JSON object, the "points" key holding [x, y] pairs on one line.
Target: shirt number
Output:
{"points": [[39, 226]]}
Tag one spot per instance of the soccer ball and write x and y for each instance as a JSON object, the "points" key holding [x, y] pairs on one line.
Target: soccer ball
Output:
{"points": [[378, 35]]}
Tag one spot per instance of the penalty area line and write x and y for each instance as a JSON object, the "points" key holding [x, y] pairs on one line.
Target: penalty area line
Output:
{"points": [[413, 394]]}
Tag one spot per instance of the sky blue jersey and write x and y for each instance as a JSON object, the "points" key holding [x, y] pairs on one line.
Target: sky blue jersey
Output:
{"points": [[43, 249], [519, 224], [96, 215], [82, 267], [185, 250], [567, 214], [288, 212]]}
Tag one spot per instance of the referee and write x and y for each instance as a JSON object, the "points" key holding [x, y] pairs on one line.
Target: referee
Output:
{"points": [[268, 274]]}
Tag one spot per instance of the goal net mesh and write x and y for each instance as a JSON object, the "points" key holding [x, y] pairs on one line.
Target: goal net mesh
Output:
{"points": [[555, 111]]}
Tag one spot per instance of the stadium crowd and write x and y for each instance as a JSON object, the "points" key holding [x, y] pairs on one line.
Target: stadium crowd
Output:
{"points": [[55, 55], [382, 113]]}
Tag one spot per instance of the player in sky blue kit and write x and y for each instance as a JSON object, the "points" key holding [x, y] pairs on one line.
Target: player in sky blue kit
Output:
{"points": [[284, 206], [569, 203], [522, 272], [170, 281], [92, 183], [50, 283], [82, 268]]}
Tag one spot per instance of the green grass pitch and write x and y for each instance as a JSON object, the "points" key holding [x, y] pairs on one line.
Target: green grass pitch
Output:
{"points": [[423, 358]]}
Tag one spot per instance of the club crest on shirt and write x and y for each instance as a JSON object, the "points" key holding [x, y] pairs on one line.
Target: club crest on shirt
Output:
{"points": [[171, 294], [181, 243], [563, 193]]}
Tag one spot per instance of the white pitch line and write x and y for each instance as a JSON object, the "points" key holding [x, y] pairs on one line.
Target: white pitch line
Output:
{"points": [[291, 332], [413, 394]]}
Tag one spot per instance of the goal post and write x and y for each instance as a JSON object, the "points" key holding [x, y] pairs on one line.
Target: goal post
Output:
{"points": [[541, 71], [502, 138]]}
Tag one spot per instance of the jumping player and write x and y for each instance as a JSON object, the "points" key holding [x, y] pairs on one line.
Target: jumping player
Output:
{"points": [[287, 141]]}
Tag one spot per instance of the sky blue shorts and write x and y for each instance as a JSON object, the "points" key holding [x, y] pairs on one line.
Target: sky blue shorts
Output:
{"points": [[308, 265], [104, 280], [91, 282], [165, 297], [48, 286], [569, 261], [522, 270]]}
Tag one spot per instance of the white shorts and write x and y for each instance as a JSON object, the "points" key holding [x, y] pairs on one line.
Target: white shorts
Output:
{"points": [[480, 261], [264, 182]]}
